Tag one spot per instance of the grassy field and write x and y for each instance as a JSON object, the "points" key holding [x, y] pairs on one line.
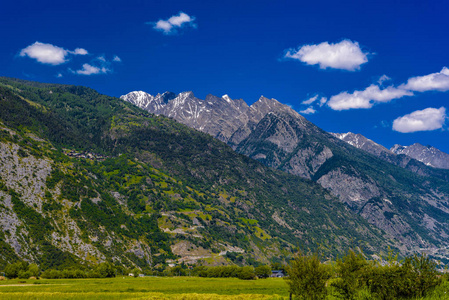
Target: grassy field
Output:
{"points": [[173, 288], [144, 288]]}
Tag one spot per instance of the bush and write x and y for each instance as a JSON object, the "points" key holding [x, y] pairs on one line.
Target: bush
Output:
{"points": [[307, 277], [263, 271], [352, 271], [24, 274], [413, 277], [105, 270], [51, 274], [246, 273], [34, 270], [13, 270]]}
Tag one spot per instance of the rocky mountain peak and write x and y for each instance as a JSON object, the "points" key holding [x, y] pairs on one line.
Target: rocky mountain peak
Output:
{"points": [[397, 148], [428, 155], [165, 97], [359, 141]]}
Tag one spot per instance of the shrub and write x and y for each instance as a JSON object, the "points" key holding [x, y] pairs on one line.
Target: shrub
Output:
{"points": [[246, 273], [24, 274], [105, 270], [13, 270], [307, 277], [413, 277], [263, 271], [34, 270], [352, 271], [51, 274]]}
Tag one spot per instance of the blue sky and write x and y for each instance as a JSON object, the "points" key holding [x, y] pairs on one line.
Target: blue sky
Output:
{"points": [[373, 67]]}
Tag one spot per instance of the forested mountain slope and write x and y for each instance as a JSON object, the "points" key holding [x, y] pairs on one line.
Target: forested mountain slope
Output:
{"points": [[397, 194], [87, 178]]}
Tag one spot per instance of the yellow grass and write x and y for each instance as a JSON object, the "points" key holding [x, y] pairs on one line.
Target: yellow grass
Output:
{"points": [[173, 288]]}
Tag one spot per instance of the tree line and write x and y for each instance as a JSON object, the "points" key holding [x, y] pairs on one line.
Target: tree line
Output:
{"points": [[355, 277]]}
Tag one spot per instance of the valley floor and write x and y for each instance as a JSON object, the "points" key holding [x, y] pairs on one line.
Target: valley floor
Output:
{"points": [[170, 288], [145, 288]]}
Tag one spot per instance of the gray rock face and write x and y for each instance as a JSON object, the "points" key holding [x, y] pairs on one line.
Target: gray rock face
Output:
{"points": [[351, 187], [280, 140], [279, 137], [361, 142], [428, 155], [220, 117], [422, 160]]}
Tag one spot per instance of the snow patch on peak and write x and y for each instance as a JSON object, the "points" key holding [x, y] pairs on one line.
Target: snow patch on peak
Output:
{"points": [[227, 98]]}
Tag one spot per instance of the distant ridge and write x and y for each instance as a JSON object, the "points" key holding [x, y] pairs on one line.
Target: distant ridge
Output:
{"points": [[396, 193], [429, 155]]}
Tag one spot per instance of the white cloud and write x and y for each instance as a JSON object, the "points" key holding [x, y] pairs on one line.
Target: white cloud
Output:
{"points": [[101, 58], [421, 120], [375, 94], [382, 79], [323, 101], [174, 23], [308, 111], [179, 20], [345, 55], [117, 59], [59, 75], [90, 70], [49, 54], [79, 51], [310, 100], [366, 98], [433, 82]]}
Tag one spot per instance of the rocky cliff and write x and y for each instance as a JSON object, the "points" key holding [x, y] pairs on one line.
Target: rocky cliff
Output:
{"points": [[428, 155], [397, 194], [148, 190]]}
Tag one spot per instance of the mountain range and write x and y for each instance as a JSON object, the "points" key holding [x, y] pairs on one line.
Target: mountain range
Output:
{"points": [[428, 155], [87, 178], [396, 193]]}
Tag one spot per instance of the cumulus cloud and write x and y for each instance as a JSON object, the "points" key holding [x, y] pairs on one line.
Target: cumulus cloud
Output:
{"points": [[366, 98], [308, 111], [375, 94], [98, 65], [345, 55], [323, 101], [310, 100], [90, 70], [382, 79], [50, 54], [433, 82], [421, 120], [174, 23], [79, 51]]}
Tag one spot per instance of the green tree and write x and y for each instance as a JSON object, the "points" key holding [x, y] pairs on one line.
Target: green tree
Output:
{"points": [[427, 276], [410, 278], [24, 274], [34, 270], [263, 271], [177, 271], [352, 271], [13, 270], [135, 272], [105, 269], [307, 277], [246, 273]]}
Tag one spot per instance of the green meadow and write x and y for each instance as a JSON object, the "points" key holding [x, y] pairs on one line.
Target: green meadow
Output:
{"points": [[173, 288], [144, 288]]}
